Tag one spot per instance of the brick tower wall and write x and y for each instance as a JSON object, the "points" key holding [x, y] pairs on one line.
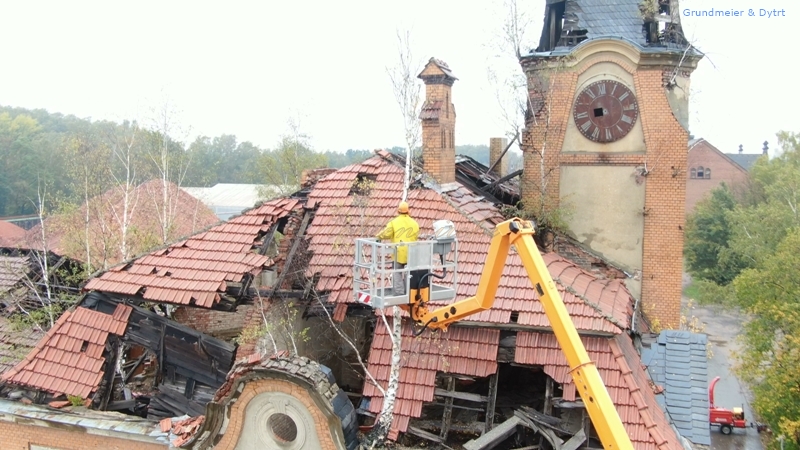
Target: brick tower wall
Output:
{"points": [[665, 193]]}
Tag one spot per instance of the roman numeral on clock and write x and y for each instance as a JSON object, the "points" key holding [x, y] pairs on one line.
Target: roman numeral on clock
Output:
{"points": [[608, 134], [626, 119], [602, 88], [585, 125], [582, 115], [596, 133], [623, 96]]}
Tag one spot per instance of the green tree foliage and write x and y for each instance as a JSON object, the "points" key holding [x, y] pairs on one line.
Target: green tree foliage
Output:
{"points": [[708, 232], [770, 293], [279, 170]]}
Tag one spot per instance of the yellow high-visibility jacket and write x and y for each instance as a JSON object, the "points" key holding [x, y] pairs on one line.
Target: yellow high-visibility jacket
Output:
{"points": [[400, 229]]}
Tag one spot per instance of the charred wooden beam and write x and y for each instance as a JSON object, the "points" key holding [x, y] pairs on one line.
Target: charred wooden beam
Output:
{"points": [[468, 396], [268, 238], [448, 408], [424, 434], [491, 185], [492, 438], [266, 292], [492, 401]]}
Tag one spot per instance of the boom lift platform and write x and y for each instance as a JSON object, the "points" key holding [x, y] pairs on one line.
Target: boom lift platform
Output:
{"points": [[431, 276]]}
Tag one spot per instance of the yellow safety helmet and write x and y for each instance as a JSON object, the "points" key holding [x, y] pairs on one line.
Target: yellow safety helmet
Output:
{"points": [[403, 208]]}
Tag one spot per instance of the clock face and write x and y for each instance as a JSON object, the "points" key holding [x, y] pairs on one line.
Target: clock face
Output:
{"points": [[605, 111]]}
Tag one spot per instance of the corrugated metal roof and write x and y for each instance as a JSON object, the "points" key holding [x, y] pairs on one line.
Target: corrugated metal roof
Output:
{"points": [[226, 194], [69, 359], [195, 271], [678, 363]]}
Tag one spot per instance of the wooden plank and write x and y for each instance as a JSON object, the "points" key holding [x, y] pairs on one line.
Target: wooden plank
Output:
{"points": [[448, 409], [575, 441], [424, 434], [495, 436], [492, 400], [121, 404], [460, 395]]}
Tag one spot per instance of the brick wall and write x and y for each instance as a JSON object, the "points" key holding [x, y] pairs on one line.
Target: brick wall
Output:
{"points": [[665, 199], [438, 135], [666, 143], [220, 324], [14, 436], [496, 147], [722, 169]]}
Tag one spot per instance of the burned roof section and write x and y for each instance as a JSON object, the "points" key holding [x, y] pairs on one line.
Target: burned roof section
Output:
{"points": [[645, 23]]}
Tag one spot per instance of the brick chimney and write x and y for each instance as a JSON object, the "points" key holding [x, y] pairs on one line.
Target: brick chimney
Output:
{"points": [[438, 122], [496, 147]]}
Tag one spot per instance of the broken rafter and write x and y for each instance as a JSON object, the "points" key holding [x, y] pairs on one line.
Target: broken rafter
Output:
{"points": [[290, 257], [501, 180]]}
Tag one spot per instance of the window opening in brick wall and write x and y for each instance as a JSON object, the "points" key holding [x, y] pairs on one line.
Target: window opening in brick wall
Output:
{"points": [[693, 173], [700, 172], [708, 174]]}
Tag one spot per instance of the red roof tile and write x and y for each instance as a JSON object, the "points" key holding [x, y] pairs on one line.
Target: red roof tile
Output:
{"points": [[340, 219], [465, 351], [195, 271], [69, 358], [627, 383]]}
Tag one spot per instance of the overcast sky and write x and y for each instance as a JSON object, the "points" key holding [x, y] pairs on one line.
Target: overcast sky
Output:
{"points": [[246, 67]]}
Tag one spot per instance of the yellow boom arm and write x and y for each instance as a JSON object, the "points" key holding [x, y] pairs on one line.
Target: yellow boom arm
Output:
{"points": [[519, 233]]}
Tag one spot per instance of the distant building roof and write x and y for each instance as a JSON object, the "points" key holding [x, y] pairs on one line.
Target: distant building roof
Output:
{"points": [[745, 160], [677, 362], [10, 233], [230, 199]]}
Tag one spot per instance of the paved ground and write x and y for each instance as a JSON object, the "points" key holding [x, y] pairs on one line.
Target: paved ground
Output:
{"points": [[722, 327]]}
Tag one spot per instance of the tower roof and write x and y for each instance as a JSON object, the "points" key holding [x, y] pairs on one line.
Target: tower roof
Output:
{"points": [[652, 24], [437, 71]]}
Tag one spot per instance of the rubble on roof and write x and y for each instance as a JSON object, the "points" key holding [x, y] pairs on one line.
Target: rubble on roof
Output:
{"points": [[123, 358], [15, 343], [23, 286]]}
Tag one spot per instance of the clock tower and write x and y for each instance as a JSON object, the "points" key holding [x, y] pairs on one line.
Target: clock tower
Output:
{"points": [[606, 138]]}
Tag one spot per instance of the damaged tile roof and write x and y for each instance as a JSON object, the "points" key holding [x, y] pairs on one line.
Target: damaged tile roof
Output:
{"points": [[596, 305], [69, 358], [12, 270], [465, 351], [623, 375], [15, 344], [196, 271]]}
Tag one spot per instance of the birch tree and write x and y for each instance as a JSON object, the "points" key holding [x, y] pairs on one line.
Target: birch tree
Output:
{"points": [[407, 90], [123, 140], [170, 163]]}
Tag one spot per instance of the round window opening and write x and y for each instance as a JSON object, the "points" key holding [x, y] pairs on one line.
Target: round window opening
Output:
{"points": [[282, 427]]}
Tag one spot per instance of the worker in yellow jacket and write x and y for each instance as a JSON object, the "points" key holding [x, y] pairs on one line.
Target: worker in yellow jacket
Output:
{"points": [[402, 228]]}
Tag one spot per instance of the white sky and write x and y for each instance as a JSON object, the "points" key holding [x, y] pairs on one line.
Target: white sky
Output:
{"points": [[246, 67]]}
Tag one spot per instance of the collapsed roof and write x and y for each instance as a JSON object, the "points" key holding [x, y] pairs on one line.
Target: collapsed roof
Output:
{"points": [[356, 201]]}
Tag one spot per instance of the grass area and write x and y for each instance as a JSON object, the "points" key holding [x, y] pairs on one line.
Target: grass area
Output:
{"points": [[692, 291]]}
